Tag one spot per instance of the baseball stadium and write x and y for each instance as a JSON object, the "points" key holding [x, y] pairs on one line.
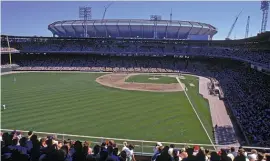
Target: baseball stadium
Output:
{"points": [[134, 90]]}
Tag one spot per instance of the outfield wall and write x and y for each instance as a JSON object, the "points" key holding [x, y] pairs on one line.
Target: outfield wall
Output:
{"points": [[5, 70]]}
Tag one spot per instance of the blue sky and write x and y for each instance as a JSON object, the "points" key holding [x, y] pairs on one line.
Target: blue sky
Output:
{"points": [[32, 17]]}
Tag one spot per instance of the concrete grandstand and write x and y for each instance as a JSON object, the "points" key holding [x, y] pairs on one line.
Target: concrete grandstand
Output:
{"points": [[134, 28]]}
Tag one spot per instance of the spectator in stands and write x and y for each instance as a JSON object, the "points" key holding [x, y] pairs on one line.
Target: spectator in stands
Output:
{"points": [[95, 154], [43, 143], [261, 157], [157, 153], [111, 156], [156, 148], [233, 152], [124, 145], [35, 150], [201, 155], [171, 149], [183, 154], [241, 156], [66, 153], [86, 148], [214, 156], [175, 155], [78, 154], [29, 144], [164, 155], [123, 156], [224, 155], [103, 152]]}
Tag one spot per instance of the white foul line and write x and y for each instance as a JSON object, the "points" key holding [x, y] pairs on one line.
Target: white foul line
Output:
{"points": [[196, 112]]}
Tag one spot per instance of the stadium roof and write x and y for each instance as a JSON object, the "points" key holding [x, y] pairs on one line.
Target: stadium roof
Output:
{"points": [[166, 29]]}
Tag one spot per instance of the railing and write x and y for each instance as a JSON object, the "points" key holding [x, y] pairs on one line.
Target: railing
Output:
{"points": [[142, 147]]}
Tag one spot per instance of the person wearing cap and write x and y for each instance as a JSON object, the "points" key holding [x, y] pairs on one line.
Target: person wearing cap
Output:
{"points": [[159, 150], [155, 149], [196, 150]]}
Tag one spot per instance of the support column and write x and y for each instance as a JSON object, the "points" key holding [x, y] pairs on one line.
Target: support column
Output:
{"points": [[118, 28], [129, 29], [166, 31], [95, 28], [178, 33], [106, 29]]}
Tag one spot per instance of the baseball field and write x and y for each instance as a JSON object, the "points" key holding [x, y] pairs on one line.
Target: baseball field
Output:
{"points": [[106, 105]]}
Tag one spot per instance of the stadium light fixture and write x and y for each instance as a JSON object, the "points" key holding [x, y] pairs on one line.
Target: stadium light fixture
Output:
{"points": [[85, 13], [155, 18]]}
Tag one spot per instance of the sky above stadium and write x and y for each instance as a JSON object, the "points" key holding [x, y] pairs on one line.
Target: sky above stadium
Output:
{"points": [[31, 18]]}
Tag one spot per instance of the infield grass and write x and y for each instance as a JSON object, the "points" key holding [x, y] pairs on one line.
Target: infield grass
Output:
{"points": [[146, 78], [73, 103]]}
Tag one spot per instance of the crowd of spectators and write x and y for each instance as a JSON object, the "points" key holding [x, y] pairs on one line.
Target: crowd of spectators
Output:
{"points": [[16, 147], [261, 58], [197, 153]]}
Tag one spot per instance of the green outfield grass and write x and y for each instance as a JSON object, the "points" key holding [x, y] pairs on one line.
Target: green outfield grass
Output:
{"points": [[74, 103], [144, 78], [200, 104]]}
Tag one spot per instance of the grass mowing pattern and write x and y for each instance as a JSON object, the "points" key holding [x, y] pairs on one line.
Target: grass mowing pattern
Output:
{"points": [[144, 78], [74, 103], [200, 104]]}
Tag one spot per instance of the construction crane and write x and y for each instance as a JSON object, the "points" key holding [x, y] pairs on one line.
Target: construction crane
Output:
{"points": [[264, 8], [104, 13], [171, 17], [247, 27], [230, 32]]}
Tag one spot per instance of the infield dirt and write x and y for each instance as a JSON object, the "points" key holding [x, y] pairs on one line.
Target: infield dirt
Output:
{"points": [[118, 81]]}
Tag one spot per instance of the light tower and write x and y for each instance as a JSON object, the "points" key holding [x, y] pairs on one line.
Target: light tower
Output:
{"points": [[247, 27], [264, 8], [155, 18], [85, 13]]}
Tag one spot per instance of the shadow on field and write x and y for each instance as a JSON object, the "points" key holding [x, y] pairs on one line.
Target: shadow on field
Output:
{"points": [[225, 135]]}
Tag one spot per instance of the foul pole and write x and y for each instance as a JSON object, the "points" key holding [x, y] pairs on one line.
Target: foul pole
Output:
{"points": [[9, 51]]}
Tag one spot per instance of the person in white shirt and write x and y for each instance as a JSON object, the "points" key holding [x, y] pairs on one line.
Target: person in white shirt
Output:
{"points": [[130, 152], [4, 107], [124, 146], [170, 151]]}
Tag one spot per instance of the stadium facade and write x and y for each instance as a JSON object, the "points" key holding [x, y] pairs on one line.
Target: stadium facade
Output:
{"points": [[134, 28]]}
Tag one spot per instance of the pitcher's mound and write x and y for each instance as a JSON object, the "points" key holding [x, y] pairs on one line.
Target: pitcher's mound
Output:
{"points": [[118, 81]]}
